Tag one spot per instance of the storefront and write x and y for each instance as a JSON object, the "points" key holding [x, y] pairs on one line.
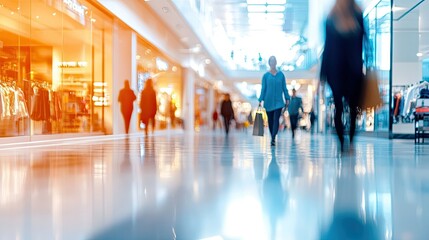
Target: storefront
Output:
{"points": [[167, 78], [54, 61], [377, 56], [410, 63]]}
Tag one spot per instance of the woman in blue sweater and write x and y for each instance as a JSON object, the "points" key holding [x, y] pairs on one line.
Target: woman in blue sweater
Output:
{"points": [[272, 93]]}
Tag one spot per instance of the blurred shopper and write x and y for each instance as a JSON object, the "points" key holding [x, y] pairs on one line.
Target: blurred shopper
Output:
{"points": [[273, 90], [148, 106], [126, 99], [227, 112], [215, 118], [342, 61], [294, 106], [312, 120], [172, 113]]}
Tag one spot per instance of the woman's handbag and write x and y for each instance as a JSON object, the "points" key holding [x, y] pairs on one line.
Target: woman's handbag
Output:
{"points": [[258, 123], [371, 94]]}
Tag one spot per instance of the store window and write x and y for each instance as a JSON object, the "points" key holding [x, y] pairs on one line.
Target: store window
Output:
{"points": [[52, 67], [378, 20], [167, 78], [410, 63]]}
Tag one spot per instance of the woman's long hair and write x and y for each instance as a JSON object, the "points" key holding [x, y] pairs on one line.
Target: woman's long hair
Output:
{"points": [[343, 14]]}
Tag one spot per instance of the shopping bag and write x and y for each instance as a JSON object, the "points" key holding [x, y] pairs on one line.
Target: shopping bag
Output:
{"points": [[371, 94], [258, 124]]}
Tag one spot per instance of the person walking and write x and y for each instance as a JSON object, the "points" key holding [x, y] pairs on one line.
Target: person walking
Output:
{"points": [[313, 119], [148, 106], [126, 98], [294, 106], [342, 61], [272, 93], [227, 112], [215, 118]]}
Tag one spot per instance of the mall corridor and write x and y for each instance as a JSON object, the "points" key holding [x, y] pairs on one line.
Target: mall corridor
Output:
{"points": [[208, 186]]}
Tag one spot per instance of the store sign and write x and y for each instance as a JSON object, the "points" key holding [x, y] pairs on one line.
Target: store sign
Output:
{"points": [[75, 6], [72, 64]]}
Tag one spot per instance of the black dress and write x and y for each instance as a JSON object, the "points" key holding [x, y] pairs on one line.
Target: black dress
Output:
{"points": [[342, 65]]}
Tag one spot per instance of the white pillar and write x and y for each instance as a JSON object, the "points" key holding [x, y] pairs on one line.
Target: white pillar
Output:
{"points": [[124, 67], [189, 98]]}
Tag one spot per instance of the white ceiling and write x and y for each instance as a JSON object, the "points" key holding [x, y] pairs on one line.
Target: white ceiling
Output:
{"points": [[246, 42]]}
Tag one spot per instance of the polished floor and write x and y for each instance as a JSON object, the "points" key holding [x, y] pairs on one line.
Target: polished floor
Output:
{"points": [[208, 186]]}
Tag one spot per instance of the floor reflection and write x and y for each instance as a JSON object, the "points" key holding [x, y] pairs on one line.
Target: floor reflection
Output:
{"points": [[274, 195], [350, 219], [206, 186]]}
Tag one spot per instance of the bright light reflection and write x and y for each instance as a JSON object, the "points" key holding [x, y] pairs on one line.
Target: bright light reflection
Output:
{"points": [[276, 1], [256, 8], [276, 8], [244, 220], [265, 15]]}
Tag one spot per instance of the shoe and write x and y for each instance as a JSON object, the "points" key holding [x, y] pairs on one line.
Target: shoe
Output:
{"points": [[273, 143]]}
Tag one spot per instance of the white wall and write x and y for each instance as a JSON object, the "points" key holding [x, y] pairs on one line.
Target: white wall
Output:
{"points": [[405, 73]]}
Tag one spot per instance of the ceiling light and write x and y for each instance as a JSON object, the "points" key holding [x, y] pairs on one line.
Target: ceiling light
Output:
{"points": [[256, 8], [208, 61], [276, 1], [37, 17], [256, 2], [256, 15], [165, 9], [262, 22], [276, 8], [54, 14], [419, 54], [269, 15]]}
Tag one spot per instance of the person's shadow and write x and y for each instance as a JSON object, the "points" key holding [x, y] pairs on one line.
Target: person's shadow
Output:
{"points": [[348, 220], [274, 197]]}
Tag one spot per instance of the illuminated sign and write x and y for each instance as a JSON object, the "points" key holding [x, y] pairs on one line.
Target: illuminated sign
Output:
{"points": [[74, 6]]}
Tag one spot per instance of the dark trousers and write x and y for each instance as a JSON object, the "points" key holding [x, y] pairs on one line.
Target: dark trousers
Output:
{"points": [[227, 123], [150, 121], [274, 122], [339, 107], [127, 117], [293, 123]]}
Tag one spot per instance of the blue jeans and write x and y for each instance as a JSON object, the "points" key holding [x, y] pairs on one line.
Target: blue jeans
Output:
{"points": [[274, 122]]}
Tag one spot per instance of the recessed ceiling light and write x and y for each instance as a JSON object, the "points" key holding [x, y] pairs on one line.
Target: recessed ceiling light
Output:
{"points": [[54, 14], [419, 54], [37, 17]]}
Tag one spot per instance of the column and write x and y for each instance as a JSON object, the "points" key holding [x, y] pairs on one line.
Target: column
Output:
{"points": [[124, 67], [188, 97]]}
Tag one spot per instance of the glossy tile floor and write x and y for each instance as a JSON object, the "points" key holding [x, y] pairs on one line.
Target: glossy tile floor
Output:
{"points": [[207, 186]]}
